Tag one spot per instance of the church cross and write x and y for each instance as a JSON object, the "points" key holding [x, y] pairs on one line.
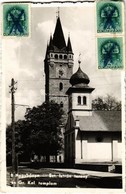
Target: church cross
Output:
{"points": [[79, 60], [58, 12]]}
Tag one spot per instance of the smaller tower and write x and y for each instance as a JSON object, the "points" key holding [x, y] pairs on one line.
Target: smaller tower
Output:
{"points": [[80, 106], [80, 101]]}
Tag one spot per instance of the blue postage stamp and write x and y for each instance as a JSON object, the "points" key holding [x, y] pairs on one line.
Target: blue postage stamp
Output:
{"points": [[109, 17], [16, 19], [110, 53]]}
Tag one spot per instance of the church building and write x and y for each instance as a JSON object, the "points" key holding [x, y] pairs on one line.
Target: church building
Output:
{"points": [[90, 136]]}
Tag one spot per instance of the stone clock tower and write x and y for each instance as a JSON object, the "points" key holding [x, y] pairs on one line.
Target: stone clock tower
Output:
{"points": [[58, 66]]}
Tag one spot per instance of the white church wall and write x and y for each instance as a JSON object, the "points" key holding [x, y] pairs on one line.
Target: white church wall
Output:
{"points": [[99, 152], [77, 145], [119, 148], [82, 113], [89, 150], [75, 104]]}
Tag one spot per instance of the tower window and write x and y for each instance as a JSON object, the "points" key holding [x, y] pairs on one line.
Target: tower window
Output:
{"points": [[51, 55], [65, 56], [79, 100], [60, 86], [56, 56], [60, 56], [70, 56], [84, 100], [61, 104]]}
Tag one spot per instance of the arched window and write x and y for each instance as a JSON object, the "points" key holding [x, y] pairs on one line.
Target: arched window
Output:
{"points": [[60, 86], [56, 56], [60, 56], [84, 100], [61, 104], [51, 55], [65, 56], [79, 100]]}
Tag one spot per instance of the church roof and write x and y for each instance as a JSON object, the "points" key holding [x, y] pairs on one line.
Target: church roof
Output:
{"points": [[58, 37], [51, 43], [69, 47], [79, 78], [109, 121]]}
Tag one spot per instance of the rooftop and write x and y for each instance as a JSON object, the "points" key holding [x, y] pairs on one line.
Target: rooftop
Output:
{"points": [[79, 78], [101, 121]]}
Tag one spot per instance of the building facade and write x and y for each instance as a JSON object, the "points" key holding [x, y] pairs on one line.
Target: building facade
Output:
{"points": [[90, 136]]}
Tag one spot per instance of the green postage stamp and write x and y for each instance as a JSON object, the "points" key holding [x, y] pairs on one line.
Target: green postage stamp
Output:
{"points": [[109, 17], [110, 53], [16, 19]]}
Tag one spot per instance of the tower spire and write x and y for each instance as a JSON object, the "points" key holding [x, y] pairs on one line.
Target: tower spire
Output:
{"points": [[58, 36], [69, 47], [50, 43]]}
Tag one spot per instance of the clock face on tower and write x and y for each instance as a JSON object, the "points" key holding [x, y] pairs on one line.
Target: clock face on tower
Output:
{"points": [[60, 72]]}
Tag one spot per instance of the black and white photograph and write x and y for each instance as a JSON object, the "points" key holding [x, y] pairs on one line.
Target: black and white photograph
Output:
{"points": [[63, 114]]}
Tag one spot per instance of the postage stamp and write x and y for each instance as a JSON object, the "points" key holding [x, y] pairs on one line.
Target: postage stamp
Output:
{"points": [[16, 19], [110, 53], [109, 17]]}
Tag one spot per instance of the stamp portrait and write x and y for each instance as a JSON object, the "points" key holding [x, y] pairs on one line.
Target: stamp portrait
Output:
{"points": [[109, 17], [110, 53], [16, 19]]}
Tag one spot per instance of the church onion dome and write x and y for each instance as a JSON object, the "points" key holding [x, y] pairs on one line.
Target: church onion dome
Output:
{"points": [[79, 78]]}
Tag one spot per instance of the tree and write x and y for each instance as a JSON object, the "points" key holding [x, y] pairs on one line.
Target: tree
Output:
{"points": [[40, 132], [98, 104], [106, 103], [112, 103], [44, 123], [19, 144]]}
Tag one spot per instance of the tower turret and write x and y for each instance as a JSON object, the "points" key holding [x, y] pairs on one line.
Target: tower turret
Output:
{"points": [[69, 47], [51, 44], [79, 94]]}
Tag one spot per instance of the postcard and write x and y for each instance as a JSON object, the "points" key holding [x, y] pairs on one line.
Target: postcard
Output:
{"points": [[63, 96]]}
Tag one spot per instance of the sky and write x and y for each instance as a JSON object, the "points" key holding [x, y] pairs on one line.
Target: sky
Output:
{"points": [[23, 58]]}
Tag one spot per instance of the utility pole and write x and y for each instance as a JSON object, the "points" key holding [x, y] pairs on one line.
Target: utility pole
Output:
{"points": [[14, 157]]}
